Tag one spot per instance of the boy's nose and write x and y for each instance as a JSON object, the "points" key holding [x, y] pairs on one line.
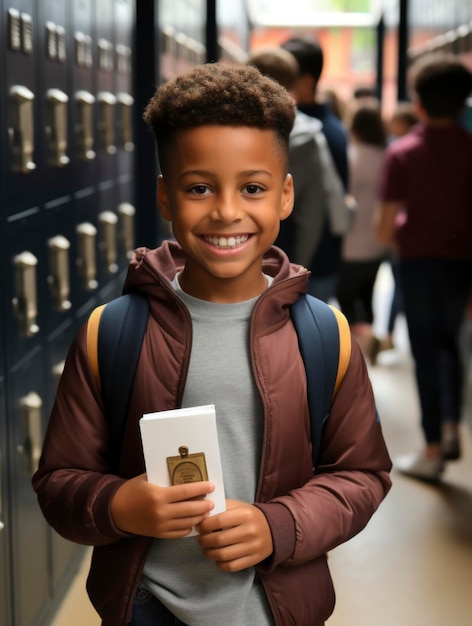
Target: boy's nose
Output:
{"points": [[226, 210]]}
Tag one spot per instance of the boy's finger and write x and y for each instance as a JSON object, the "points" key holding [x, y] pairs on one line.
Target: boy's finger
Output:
{"points": [[189, 491]]}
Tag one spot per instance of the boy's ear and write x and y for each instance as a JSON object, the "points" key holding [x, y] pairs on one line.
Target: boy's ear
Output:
{"points": [[163, 199], [288, 198]]}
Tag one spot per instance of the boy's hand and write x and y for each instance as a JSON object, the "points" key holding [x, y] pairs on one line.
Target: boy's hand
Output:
{"points": [[236, 539], [142, 508]]}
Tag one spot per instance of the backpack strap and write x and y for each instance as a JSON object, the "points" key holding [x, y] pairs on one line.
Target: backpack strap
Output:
{"points": [[115, 333], [92, 341], [325, 345]]}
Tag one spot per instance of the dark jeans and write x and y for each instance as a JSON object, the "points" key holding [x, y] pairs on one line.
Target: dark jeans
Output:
{"points": [[355, 288], [396, 306], [435, 298], [148, 611]]}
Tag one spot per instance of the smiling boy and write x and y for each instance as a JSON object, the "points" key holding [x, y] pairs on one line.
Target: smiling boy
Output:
{"points": [[220, 332]]}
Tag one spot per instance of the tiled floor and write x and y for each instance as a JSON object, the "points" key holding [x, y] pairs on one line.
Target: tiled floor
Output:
{"points": [[412, 565]]}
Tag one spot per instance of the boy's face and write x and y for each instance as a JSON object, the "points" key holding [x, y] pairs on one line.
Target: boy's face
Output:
{"points": [[225, 192]]}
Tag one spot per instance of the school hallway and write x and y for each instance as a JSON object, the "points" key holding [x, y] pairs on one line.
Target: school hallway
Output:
{"points": [[412, 564]]}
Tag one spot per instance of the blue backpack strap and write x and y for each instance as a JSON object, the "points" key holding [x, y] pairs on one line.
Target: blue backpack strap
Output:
{"points": [[318, 338], [121, 331]]}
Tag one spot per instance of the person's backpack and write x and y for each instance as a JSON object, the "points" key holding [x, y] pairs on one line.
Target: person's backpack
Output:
{"points": [[115, 333]]}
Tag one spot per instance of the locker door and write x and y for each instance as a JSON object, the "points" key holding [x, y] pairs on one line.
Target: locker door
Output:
{"points": [[84, 151], [5, 525], [30, 535], [65, 555], [125, 21], [24, 316], [5, 569], [107, 150]]}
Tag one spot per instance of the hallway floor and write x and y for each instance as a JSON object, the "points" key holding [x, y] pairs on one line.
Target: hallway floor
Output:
{"points": [[412, 565]]}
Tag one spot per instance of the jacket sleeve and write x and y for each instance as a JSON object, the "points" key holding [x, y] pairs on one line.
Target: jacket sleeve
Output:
{"points": [[73, 483], [348, 485]]}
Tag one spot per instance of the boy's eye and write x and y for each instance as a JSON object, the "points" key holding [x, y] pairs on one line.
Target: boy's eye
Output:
{"points": [[253, 189], [199, 190]]}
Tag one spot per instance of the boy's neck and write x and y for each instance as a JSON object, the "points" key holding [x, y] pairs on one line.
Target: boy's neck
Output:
{"points": [[222, 291]]}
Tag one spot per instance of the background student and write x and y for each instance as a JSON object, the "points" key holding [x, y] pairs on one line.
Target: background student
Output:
{"points": [[428, 175]]}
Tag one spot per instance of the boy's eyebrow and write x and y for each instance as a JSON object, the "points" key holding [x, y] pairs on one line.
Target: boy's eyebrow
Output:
{"points": [[209, 173]]}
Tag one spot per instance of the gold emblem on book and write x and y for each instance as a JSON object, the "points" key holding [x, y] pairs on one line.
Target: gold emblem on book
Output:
{"points": [[187, 468]]}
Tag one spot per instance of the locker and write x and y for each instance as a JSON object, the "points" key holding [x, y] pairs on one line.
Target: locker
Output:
{"points": [[108, 148], [63, 238], [21, 103], [29, 534], [5, 542], [125, 132], [65, 555]]}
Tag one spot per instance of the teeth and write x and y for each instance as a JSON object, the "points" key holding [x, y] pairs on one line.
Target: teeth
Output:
{"points": [[227, 242]]}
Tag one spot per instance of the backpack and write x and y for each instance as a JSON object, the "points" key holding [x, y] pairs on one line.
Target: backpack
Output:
{"points": [[115, 333]]}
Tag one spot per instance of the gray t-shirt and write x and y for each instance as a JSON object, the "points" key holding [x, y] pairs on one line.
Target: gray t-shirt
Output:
{"points": [[220, 373]]}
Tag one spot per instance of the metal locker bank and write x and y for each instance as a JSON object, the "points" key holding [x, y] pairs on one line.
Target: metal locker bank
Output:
{"points": [[66, 215]]}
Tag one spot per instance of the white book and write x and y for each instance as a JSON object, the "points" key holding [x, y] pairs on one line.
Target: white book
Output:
{"points": [[171, 438]]}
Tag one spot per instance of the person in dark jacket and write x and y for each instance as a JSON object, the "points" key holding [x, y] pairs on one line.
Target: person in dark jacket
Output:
{"points": [[309, 54], [219, 331]]}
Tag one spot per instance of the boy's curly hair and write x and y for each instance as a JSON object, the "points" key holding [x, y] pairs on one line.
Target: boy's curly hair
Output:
{"points": [[219, 94]]}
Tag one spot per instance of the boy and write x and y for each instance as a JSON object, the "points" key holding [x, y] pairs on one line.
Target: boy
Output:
{"points": [[219, 331], [427, 176]]}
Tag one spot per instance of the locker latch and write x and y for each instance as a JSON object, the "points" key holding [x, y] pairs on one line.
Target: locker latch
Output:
{"points": [[58, 278], [125, 121], [21, 133], [56, 130], [84, 102], [25, 301], [30, 449], [87, 259], [126, 211], [108, 221], [106, 121]]}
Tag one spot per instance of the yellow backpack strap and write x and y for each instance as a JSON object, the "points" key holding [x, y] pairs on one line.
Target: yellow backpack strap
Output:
{"points": [[344, 346], [92, 341]]}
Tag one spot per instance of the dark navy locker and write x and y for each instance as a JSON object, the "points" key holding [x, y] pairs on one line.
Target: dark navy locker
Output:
{"points": [[65, 555], [125, 130], [30, 535], [5, 542], [106, 218], [84, 149], [5, 525], [24, 324]]}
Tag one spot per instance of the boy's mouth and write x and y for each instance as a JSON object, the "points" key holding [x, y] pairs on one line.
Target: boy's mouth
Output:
{"points": [[232, 241]]}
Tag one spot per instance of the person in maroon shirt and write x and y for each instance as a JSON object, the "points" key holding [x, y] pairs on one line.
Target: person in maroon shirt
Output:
{"points": [[427, 180]]}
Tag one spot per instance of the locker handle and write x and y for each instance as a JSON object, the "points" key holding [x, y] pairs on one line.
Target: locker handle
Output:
{"points": [[108, 221], [56, 130], [21, 134], [59, 267], [25, 301], [106, 128], [30, 449], [127, 212], [125, 120], [85, 141], [87, 260]]}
